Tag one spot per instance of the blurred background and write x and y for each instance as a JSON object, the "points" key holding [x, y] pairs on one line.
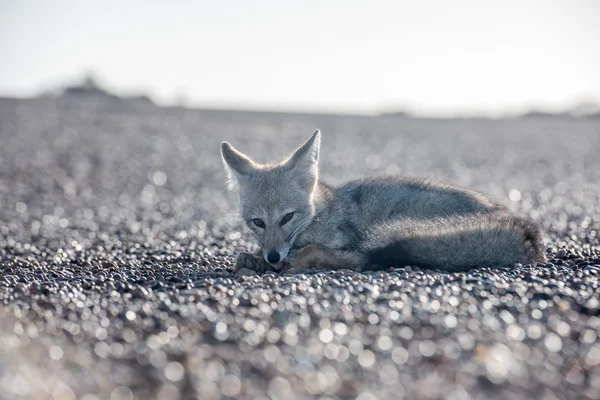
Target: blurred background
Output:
{"points": [[428, 58], [118, 237]]}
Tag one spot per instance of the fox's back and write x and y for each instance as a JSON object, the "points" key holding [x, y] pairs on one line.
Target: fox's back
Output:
{"points": [[347, 213], [378, 199]]}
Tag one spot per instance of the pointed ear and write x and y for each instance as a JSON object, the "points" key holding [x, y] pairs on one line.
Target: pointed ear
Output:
{"points": [[237, 165], [304, 162]]}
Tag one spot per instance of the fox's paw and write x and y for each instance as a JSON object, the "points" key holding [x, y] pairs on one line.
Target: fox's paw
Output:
{"points": [[288, 270], [246, 272], [315, 257], [249, 264], [308, 257]]}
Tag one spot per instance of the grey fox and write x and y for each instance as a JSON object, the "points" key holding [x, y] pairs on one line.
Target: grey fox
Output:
{"points": [[303, 223]]}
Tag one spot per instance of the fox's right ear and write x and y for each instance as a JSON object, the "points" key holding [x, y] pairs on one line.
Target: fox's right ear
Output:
{"points": [[237, 165], [304, 162]]}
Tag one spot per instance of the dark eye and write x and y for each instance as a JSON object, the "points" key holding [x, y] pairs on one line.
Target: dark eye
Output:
{"points": [[259, 222], [287, 217]]}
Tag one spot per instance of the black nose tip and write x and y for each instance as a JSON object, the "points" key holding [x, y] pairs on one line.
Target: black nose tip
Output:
{"points": [[273, 257]]}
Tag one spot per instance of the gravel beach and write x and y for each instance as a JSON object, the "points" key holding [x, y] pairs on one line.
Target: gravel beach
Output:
{"points": [[117, 240]]}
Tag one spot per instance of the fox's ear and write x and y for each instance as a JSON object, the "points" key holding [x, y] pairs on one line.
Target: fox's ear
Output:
{"points": [[305, 160], [237, 165]]}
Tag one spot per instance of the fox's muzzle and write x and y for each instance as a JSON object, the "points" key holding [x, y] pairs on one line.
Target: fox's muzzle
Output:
{"points": [[276, 259], [273, 257]]}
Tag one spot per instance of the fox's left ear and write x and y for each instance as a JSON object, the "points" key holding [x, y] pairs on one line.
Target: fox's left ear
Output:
{"points": [[305, 161]]}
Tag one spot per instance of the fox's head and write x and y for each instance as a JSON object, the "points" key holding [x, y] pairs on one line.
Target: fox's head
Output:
{"points": [[276, 200]]}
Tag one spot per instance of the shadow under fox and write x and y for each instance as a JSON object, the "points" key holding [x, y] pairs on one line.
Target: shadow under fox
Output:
{"points": [[303, 223]]}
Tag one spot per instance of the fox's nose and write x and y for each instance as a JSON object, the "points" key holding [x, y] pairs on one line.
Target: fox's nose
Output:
{"points": [[273, 257]]}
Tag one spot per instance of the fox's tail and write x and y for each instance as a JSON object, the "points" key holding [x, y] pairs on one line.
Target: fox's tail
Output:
{"points": [[455, 243]]}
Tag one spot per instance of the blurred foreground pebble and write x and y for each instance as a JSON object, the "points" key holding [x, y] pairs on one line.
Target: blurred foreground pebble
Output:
{"points": [[117, 239]]}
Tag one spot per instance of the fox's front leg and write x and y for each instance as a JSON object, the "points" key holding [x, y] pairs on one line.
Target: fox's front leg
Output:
{"points": [[316, 256], [251, 264]]}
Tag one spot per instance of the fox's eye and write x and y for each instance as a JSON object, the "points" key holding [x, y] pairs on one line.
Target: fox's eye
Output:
{"points": [[287, 217], [259, 222]]}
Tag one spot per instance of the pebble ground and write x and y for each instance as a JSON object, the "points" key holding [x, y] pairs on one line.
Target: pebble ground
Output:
{"points": [[117, 239]]}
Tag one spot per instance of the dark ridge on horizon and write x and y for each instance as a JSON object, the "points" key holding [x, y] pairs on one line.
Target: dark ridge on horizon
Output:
{"points": [[90, 92]]}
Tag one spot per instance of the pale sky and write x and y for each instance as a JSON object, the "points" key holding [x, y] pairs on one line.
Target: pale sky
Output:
{"points": [[434, 57]]}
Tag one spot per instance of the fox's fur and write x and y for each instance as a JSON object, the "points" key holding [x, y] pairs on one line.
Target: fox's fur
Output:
{"points": [[374, 222]]}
